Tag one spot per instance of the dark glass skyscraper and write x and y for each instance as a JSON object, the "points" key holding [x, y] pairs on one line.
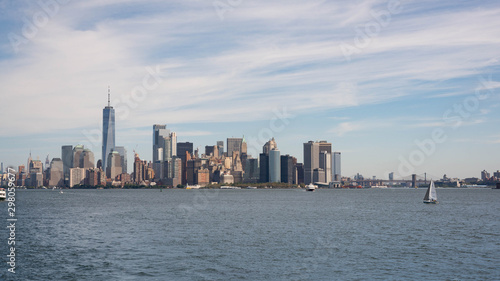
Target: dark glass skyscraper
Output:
{"points": [[108, 132]]}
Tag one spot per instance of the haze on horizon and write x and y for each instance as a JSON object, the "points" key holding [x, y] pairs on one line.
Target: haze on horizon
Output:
{"points": [[383, 81]]}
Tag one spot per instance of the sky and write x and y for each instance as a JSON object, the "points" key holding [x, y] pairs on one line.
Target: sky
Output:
{"points": [[395, 86]]}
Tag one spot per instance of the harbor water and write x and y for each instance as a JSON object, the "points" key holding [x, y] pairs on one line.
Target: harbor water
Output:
{"points": [[330, 234]]}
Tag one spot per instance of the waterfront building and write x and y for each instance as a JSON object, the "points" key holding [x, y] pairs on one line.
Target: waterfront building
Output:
{"points": [[175, 166], [140, 170], [77, 176], [299, 167], [108, 132], [202, 177], [114, 165], [226, 178], [313, 172], [485, 175], [288, 169], [325, 163], [67, 158], [123, 154], [92, 177], [337, 172], [251, 170], [274, 165], [184, 149], [56, 176], [193, 165], [264, 160], [264, 167]]}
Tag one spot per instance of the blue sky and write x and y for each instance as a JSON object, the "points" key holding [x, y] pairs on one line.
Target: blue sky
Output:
{"points": [[375, 78]]}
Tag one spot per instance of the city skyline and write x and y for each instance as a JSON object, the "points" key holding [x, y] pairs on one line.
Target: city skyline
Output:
{"points": [[388, 83]]}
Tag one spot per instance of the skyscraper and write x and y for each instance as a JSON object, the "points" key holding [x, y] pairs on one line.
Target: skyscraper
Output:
{"points": [[288, 169], [87, 159], [123, 153], [251, 170], [108, 132], [233, 144], [313, 170], [182, 149], [77, 153], [159, 133], [311, 160], [114, 165], [164, 148], [67, 158], [325, 163], [264, 160], [56, 172], [274, 165], [337, 174], [220, 147]]}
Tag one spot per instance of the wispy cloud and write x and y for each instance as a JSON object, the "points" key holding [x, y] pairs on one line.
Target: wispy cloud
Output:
{"points": [[262, 56]]}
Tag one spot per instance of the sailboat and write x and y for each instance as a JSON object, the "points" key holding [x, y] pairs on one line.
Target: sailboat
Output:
{"points": [[430, 195]]}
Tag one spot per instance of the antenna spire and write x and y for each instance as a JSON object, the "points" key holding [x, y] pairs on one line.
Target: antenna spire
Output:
{"points": [[108, 96]]}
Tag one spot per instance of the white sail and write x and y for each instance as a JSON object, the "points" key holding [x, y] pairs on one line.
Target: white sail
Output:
{"points": [[432, 192], [430, 195]]}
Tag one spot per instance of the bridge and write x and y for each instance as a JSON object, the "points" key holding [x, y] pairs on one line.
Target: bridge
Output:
{"points": [[415, 181]]}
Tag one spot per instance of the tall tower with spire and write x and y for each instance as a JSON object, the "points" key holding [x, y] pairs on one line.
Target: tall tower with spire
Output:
{"points": [[108, 131], [29, 162]]}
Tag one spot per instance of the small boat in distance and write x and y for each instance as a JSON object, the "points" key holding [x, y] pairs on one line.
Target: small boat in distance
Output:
{"points": [[431, 196], [229, 187], [3, 194], [311, 187]]}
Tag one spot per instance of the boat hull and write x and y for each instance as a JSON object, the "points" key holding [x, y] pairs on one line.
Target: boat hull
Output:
{"points": [[430, 202]]}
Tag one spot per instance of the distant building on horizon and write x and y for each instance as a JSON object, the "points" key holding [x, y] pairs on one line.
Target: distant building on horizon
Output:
{"points": [[164, 148], [123, 154], [337, 172], [87, 160], [108, 132], [234, 144], [67, 158], [288, 169], [56, 175], [316, 168], [183, 149], [220, 147], [114, 165], [274, 165]]}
